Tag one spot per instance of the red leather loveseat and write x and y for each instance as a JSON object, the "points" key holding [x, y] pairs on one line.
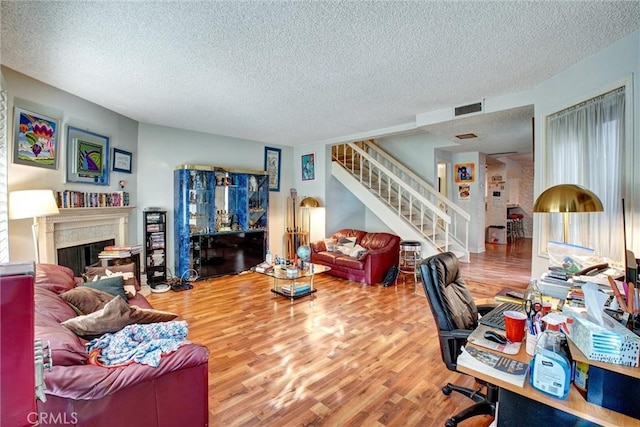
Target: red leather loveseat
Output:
{"points": [[381, 251], [175, 393]]}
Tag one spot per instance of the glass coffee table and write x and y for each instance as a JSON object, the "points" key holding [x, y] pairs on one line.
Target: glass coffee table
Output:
{"points": [[295, 283]]}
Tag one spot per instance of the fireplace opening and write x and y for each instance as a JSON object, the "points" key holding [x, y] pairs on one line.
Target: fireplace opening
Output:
{"points": [[80, 256]]}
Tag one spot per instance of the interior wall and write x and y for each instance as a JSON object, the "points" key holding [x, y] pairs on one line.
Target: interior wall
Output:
{"points": [[474, 203], [69, 109], [417, 152], [586, 79], [496, 195], [164, 148]]}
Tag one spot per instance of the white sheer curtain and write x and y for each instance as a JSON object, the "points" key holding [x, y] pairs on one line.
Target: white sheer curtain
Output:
{"points": [[585, 146]]}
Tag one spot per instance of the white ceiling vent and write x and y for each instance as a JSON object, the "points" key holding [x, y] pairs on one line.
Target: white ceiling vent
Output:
{"points": [[468, 109]]}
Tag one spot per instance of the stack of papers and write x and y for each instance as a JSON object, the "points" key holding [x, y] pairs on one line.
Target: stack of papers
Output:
{"points": [[502, 367]]}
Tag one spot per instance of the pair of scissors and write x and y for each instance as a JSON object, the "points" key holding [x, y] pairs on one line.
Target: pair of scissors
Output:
{"points": [[532, 308]]}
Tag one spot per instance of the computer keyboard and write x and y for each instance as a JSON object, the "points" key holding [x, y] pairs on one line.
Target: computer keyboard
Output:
{"points": [[495, 318]]}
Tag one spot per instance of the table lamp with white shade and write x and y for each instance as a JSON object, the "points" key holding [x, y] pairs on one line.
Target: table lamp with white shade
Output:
{"points": [[32, 204]]}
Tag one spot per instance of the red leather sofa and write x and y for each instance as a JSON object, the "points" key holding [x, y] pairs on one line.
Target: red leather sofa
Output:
{"points": [[382, 251], [173, 394]]}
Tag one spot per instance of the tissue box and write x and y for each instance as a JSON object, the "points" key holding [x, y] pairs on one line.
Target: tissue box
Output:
{"points": [[611, 343]]}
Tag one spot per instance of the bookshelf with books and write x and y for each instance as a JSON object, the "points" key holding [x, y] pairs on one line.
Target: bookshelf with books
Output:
{"points": [[155, 234], [82, 199]]}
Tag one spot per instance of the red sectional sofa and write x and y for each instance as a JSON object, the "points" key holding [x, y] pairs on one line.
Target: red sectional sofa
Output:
{"points": [[382, 251], [173, 394]]}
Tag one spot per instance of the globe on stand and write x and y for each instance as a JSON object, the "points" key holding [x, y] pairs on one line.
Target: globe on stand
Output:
{"points": [[304, 252]]}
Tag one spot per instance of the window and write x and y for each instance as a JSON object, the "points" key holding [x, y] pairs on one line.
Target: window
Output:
{"points": [[585, 145]]}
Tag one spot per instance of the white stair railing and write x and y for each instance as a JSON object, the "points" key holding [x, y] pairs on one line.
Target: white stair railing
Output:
{"points": [[407, 195], [460, 219]]}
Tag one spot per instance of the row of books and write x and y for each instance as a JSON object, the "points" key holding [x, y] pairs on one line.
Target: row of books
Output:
{"points": [[79, 199], [113, 251], [297, 290]]}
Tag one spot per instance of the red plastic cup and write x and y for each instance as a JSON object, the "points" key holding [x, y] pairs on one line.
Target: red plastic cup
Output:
{"points": [[514, 322], [546, 308]]}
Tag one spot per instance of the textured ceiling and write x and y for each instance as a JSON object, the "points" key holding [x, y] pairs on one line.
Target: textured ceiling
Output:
{"points": [[295, 72]]}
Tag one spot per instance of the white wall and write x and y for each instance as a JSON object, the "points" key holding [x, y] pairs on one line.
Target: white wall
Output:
{"points": [[164, 148], [496, 211], [589, 78], [417, 152], [475, 204], [70, 110]]}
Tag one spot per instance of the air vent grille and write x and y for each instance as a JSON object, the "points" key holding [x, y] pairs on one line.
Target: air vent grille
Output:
{"points": [[467, 136], [468, 109]]}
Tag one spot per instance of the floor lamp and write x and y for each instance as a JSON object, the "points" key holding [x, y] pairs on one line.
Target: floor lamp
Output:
{"points": [[566, 199], [311, 213], [32, 204]]}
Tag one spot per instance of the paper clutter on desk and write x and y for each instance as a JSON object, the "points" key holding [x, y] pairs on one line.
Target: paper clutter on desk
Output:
{"points": [[594, 301]]}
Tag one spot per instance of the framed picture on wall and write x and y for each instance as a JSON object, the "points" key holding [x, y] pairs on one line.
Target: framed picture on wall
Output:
{"points": [[87, 157], [122, 160], [272, 166], [309, 167], [464, 172], [35, 140]]}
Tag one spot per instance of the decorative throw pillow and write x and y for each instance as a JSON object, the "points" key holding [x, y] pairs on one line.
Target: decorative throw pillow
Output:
{"points": [[112, 285], [85, 300], [127, 269], [150, 315], [111, 318], [349, 242], [357, 251], [330, 244], [114, 316]]}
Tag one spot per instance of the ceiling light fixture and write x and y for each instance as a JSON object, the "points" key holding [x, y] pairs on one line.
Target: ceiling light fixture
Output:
{"points": [[466, 136]]}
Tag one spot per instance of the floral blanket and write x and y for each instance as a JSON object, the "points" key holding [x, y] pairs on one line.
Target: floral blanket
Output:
{"points": [[138, 344]]}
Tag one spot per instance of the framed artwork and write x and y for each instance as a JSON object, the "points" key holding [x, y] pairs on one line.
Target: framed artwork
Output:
{"points": [[465, 172], [35, 139], [121, 160], [464, 192], [272, 166], [309, 167], [87, 157]]}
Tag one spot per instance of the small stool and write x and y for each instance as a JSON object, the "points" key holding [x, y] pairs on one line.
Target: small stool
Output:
{"points": [[515, 226], [409, 258]]}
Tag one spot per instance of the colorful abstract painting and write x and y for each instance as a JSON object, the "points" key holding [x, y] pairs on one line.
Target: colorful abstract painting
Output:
{"points": [[35, 140], [87, 157]]}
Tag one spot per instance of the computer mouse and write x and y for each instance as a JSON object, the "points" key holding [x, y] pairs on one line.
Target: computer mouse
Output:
{"points": [[495, 337]]}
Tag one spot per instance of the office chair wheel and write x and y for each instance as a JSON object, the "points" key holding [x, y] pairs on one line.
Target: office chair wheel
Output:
{"points": [[446, 390], [450, 423]]}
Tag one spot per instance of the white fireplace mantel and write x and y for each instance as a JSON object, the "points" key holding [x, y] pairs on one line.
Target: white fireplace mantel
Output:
{"points": [[79, 226]]}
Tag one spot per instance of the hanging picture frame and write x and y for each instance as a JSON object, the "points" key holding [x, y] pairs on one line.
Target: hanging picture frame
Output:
{"points": [[309, 167], [465, 172], [272, 166], [122, 160], [35, 141], [87, 157]]}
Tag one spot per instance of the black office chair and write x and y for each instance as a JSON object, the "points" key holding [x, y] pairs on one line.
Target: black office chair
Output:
{"points": [[456, 316]]}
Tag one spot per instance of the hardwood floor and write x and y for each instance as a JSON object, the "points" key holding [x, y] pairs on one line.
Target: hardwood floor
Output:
{"points": [[354, 355]]}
